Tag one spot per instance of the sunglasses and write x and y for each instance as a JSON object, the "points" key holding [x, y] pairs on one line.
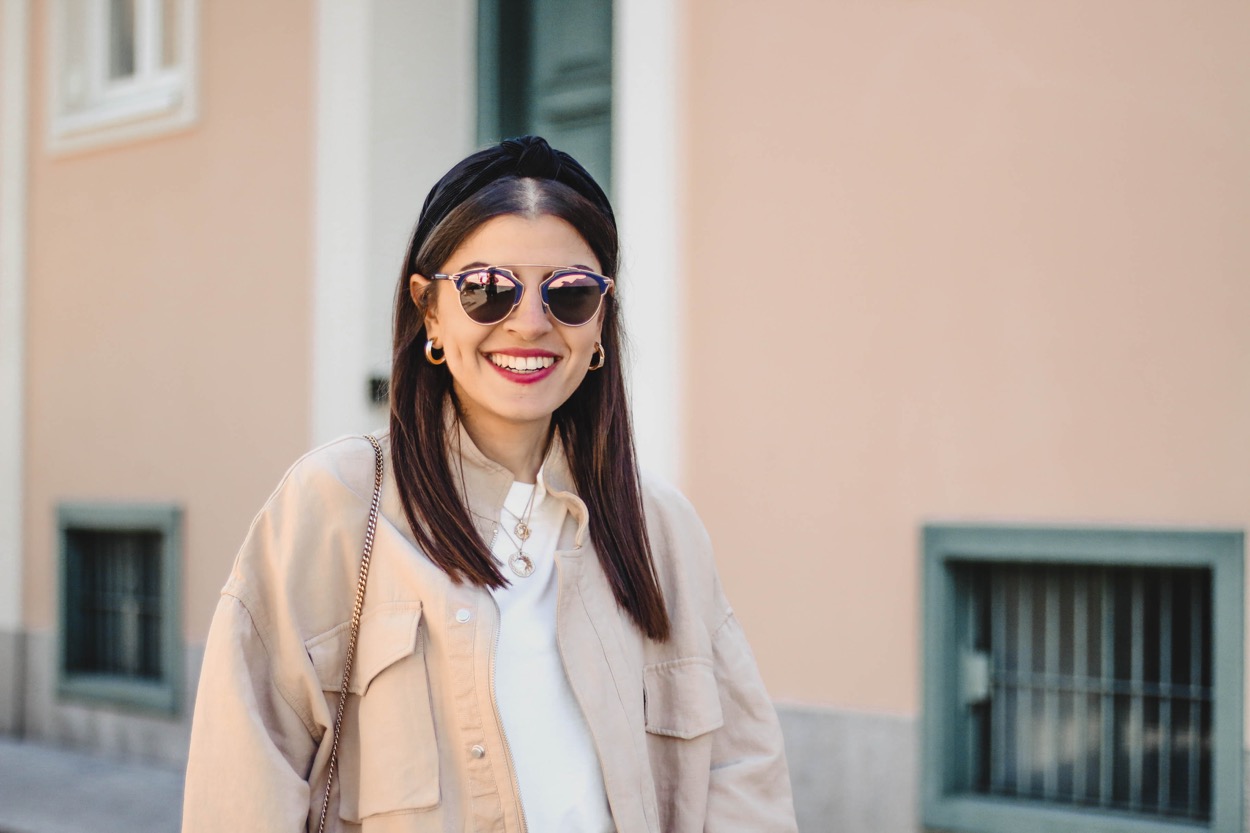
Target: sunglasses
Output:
{"points": [[489, 294]]}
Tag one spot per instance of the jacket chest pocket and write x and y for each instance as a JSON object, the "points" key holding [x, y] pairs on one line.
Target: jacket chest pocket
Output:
{"points": [[681, 698], [388, 758]]}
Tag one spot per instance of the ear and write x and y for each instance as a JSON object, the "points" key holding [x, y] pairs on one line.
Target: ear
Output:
{"points": [[416, 285], [416, 290]]}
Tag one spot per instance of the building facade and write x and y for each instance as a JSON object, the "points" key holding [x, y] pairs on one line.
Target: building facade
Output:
{"points": [[937, 313]]}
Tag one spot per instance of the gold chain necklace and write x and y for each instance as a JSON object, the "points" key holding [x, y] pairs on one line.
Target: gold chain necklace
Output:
{"points": [[520, 563]]}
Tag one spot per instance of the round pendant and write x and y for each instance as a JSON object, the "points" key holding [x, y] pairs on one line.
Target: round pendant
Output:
{"points": [[521, 564], [522, 530]]}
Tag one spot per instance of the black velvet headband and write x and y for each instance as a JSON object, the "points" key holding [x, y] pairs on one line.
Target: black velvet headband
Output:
{"points": [[526, 156]]}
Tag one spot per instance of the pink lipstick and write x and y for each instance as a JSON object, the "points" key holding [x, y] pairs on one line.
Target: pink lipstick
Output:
{"points": [[525, 366]]}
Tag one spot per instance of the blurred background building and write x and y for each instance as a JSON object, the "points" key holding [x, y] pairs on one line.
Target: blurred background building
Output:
{"points": [[938, 313]]}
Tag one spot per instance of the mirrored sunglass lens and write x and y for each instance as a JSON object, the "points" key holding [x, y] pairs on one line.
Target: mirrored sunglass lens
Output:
{"points": [[573, 298], [487, 296]]}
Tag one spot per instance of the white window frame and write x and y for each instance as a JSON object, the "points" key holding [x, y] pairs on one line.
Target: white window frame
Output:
{"points": [[87, 108]]}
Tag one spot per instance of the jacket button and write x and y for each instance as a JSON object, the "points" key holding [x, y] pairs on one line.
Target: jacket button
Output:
{"points": [[478, 751], [463, 615]]}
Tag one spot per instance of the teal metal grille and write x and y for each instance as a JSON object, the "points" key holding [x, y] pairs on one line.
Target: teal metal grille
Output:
{"points": [[1091, 686], [114, 603]]}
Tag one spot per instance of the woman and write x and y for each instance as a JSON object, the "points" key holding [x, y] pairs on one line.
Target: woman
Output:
{"points": [[544, 643]]}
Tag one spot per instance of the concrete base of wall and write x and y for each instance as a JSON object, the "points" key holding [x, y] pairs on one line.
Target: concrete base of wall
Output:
{"points": [[856, 772], [852, 772], [105, 729], [12, 672]]}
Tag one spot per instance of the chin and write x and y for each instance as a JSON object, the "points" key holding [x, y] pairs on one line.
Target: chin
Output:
{"points": [[526, 416], [524, 407], [512, 412]]}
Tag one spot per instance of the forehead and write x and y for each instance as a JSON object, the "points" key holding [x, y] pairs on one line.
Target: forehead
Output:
{"points": [[513, 238]]}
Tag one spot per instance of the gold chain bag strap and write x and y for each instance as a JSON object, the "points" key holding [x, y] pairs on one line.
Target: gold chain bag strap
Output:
{"points": [[355, 629]]}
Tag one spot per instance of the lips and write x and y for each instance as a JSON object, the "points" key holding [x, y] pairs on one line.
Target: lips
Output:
{"points": [[523, 366]]}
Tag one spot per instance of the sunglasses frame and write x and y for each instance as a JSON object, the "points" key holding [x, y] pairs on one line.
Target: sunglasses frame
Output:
{"points": [[457, 280]]}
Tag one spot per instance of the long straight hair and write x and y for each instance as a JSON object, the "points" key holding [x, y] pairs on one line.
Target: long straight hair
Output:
{"points": [[593, 423]]}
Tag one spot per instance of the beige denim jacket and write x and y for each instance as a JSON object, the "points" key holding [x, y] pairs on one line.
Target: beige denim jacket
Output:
{"points": [[686, 735]]}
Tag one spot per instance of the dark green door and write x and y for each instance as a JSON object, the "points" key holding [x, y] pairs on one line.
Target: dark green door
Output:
{"points": [[545, 67]]}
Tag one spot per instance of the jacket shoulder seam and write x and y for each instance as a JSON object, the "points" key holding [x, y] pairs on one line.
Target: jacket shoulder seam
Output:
{"points": [[295, 467], [303, 714]]}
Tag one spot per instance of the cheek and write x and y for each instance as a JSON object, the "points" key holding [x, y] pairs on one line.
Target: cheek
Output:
{"points": [[463, 344], [463, 339]]}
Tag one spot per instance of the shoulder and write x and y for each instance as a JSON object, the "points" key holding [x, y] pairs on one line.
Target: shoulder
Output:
{"points": [[346, 463], [681, 550], [670, 513], [680, 543], [321, 500]]}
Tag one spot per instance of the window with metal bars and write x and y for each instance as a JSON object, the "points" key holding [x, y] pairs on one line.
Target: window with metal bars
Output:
{"points": [[114, 603], [1090, 679], [119, 636], [1097, 686]]}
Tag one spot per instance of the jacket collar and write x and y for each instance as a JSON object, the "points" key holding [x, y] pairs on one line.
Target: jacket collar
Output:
{"points": [[484, 484]]}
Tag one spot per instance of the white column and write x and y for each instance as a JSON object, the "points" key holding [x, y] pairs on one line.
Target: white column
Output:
{"points": [[14, 57], [646, 146], [395, 110], [423, 121], [341, 225]]}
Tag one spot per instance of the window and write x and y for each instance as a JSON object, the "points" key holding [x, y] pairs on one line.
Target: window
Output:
{"points": [[121, 69], [1082, 679], [120, 635], [545, 67]]}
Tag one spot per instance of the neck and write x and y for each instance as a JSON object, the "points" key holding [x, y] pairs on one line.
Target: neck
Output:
{"points": [[518, 447]]}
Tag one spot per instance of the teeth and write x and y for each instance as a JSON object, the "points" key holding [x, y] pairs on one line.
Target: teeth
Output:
{"points": [[524, 364]]}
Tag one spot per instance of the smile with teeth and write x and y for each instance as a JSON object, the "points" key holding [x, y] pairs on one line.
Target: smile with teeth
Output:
{"points": [[522, 364]]}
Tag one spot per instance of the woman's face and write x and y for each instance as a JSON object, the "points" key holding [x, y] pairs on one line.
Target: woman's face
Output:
{"points": [[488, 364]]}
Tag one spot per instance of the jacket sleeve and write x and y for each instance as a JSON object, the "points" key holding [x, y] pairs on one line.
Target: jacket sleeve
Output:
{"points": [[749, 786], [251, 750]]}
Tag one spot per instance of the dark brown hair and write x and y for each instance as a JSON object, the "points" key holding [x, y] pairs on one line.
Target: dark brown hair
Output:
{"points": [[593, 424]]}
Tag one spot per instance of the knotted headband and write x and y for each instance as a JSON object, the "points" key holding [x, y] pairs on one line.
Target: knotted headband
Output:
{"points": [[526, 156]]}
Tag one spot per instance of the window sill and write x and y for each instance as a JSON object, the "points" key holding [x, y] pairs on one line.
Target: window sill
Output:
{"points": [[149, 696], [139, 114]]}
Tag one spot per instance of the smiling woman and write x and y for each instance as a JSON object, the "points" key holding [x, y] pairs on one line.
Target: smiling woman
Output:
{"points": [[544, 644], [510, 374]]}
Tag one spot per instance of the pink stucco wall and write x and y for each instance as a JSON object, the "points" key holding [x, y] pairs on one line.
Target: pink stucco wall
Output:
{"points": [[954, 259], [169, 303]]}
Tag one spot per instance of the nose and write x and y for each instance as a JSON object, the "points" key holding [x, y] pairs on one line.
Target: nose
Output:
{"points": [[529, 320]]}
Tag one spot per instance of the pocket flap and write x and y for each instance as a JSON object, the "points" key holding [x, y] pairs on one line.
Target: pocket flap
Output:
{"points": [[682, 698], [387, 634]]}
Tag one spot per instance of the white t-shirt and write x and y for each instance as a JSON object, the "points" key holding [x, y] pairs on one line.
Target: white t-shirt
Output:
{"points": [[552, 750]]}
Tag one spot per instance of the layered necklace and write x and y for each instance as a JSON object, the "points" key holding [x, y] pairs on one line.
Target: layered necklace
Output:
{"points": [[520, 563]]}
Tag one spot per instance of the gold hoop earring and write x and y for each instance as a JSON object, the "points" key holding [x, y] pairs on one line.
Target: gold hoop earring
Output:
{"points": [[600, 358], [429, 353]]}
